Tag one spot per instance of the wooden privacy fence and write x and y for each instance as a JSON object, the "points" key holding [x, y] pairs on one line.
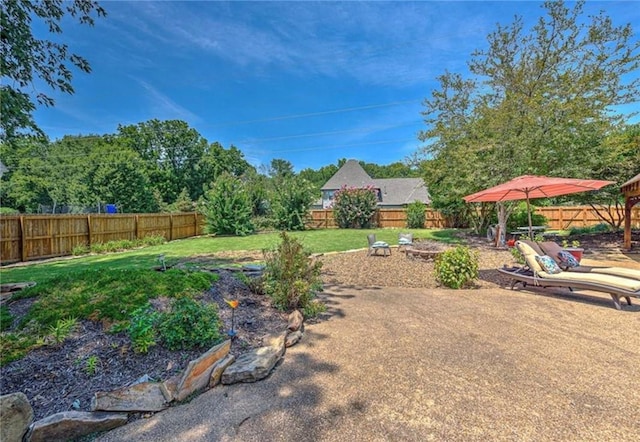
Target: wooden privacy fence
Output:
{"points": [[323, 219], [560, 217], [28, 237]]}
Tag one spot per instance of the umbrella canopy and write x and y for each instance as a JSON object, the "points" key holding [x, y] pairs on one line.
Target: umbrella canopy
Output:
{"points": [[528, 187]]}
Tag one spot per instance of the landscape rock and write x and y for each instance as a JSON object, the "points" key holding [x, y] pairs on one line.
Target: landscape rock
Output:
{"points": [[219, 368], [293, 338], [146, 396], [16, 415], [257, 363], [169, 387], [197, 375], [295, 320], [70, 425]]}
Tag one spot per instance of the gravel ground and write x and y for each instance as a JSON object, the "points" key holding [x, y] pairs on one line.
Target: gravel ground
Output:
{"points": [[356, 268]]}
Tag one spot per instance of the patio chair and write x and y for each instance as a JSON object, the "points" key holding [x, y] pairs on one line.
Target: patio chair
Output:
{"points": [[543, 271], [405, 240], [374, 246]]}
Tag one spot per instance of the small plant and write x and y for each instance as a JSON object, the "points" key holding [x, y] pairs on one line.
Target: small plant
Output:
{"points": [[190, 324], [91, 365], [416, 215], [517, 256], [457, 267], [314, 308], [80, 249], [62, 329], [142, 330], [574, 243], [153, 240], [290, 277], [539, 237]]}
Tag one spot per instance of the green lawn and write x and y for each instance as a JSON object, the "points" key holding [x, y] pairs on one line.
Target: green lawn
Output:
{"points": [[316, 241]]}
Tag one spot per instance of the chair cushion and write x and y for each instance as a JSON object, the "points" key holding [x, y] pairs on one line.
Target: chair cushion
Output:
{"points": [[529, 256], [380, 244], [548, 264], [552, 249], [534, 245], [567, 259]]}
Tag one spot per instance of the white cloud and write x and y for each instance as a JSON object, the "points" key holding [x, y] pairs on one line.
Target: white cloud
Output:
{"points": [[163, 107]]}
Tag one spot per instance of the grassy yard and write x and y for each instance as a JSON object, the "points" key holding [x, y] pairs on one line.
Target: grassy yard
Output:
{"points": [[316, 241]]}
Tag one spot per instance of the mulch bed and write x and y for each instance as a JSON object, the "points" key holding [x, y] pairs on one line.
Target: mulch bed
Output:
{"points": [[55, 378]]}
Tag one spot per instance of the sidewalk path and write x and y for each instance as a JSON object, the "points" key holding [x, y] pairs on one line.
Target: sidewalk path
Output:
{"points": [[418, 365]]}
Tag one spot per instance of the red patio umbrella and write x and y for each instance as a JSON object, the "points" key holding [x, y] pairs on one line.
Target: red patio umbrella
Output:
{"points": [[531, 186]]}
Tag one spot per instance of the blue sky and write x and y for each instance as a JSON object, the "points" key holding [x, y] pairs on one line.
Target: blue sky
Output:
{"points": [[309, 82]]}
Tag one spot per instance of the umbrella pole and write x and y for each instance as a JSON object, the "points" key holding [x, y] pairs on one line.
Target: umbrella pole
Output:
{"points": [[529, 214]]}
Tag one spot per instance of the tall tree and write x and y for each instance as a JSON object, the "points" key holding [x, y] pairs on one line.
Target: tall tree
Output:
{"points": [[172, 152], [533, 97], [25, 58]]}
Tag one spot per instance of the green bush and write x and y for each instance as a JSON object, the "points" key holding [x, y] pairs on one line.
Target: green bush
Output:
{"points": [[290, 276], [153, 240], [416, 215], [80, 249], [142, 328], [314, 308], [520, 218], [457, 267], [291, 202], [353, 208], [190, 324], [8, 211], [227, 207]]}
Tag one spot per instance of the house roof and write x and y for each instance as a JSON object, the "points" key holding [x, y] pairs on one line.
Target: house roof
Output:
{"points": [[400, 191], [351, 174], [395, 191]]}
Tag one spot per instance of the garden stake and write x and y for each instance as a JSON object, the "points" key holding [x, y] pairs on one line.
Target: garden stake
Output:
{"points": [[234, 305]]}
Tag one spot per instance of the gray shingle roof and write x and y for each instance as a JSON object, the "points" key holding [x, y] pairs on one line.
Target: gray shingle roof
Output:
{"points": [[351, 174], [395, 191], [400, 191]]}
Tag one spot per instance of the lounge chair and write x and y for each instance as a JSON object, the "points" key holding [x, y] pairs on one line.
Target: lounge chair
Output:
{"points": [[540, 272], [554, 250], [374, 246]]}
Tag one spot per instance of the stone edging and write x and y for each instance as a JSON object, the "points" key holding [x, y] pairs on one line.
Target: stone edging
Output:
{"points": [[111, 409]]}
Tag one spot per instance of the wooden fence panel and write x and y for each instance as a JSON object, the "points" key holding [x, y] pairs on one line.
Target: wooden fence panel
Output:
{"points": [[156, 224], [10, 239], [561, 217], [323, 219], [112, 227]]}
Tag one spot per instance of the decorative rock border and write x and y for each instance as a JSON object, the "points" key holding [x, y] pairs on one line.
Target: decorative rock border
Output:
{"points": [[110, 409]]}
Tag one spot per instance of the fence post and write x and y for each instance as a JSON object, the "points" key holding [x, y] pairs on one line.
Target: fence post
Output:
{"points": [[170, 227], [89, 230], [137, 221], [23, 245]]}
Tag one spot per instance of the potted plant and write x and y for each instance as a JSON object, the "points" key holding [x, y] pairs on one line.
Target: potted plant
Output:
{"points": [[574, 249]]}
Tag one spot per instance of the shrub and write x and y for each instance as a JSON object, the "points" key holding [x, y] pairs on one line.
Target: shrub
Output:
{"points": [[190, 324], [8, 211], [354, 207], [457, 267], [227, 207], [142, 331], [314, 308], [153, 240], [80, 249], [290, 277], [291, 202], [520, 218], [416, 215]]}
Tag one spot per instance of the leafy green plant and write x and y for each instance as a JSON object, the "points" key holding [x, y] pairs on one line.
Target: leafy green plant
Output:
{"points": [[6, 318], [290, 277], [519, 217], [8, 211], [291, 202], [517, 256], [62, 329], [142, 328], [416, 215], [227, 207], [574, 243], [353, 208], [153, 240], [80, 249], [457, 267], [190, 324], [91, 365], [314, 308]]}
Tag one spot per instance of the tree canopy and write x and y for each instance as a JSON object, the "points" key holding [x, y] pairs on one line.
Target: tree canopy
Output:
{"points": [[26, 57], [542, 102]]}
